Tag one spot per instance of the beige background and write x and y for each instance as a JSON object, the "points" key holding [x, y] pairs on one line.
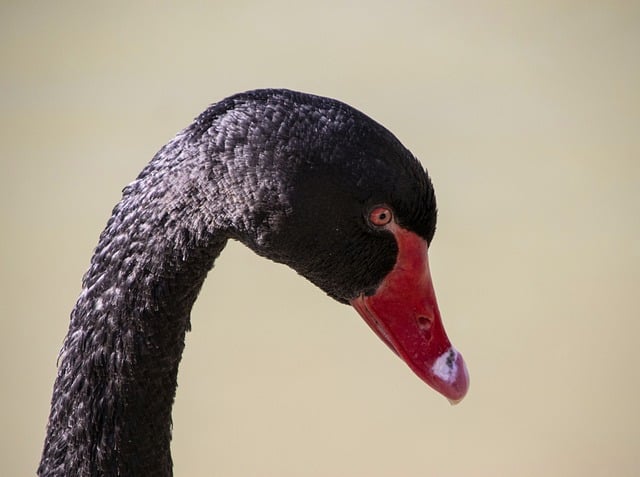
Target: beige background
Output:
{"points": [[527, 115]]}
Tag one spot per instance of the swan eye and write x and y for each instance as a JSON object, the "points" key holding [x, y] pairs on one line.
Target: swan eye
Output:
{"points": [[380, 216]]}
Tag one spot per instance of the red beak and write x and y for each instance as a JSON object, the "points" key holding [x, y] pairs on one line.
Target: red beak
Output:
{"points": [[404, 314]]}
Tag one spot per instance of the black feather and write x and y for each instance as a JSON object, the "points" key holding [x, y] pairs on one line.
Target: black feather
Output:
{"points": [[290, 175]]}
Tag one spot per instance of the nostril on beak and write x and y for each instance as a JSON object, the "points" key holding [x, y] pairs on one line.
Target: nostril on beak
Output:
{"points": [[424, 324]]}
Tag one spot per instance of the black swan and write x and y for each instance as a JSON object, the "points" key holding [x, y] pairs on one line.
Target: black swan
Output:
{"points": [[303, 180]]}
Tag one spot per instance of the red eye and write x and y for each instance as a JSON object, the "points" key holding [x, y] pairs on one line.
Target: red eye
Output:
{"points": [[380, 216]]}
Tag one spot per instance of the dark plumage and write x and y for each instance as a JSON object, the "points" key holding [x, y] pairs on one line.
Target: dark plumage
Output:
{"points": [[290, 175]]}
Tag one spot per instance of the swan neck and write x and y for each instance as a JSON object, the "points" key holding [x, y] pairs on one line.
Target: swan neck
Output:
{"points": [[117, 370]]}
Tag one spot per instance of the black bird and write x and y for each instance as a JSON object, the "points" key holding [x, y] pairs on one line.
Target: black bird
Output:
{"points": [[300, 179]]}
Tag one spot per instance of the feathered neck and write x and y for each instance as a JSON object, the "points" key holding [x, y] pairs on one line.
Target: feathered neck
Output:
{"points": [[117, 370], [111, 407]]}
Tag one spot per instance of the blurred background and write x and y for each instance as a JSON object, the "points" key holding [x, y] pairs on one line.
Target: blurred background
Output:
{"points": [[526, 115]]}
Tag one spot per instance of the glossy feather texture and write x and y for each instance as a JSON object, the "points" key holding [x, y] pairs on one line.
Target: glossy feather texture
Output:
{"points": [[290, 175]]}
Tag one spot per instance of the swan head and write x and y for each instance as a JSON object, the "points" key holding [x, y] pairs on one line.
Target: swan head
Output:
{"points": [[335, 196]]}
